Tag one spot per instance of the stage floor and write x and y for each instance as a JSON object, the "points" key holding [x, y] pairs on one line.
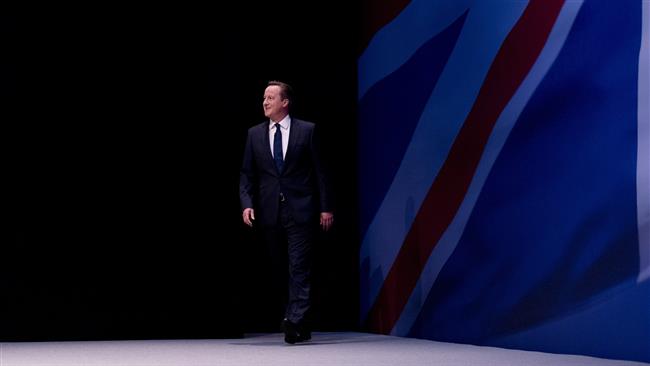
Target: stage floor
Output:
{"points": [[270, 350]]}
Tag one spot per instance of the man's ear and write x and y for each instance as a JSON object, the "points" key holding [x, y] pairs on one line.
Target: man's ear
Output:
{"points": [[285, 102]]}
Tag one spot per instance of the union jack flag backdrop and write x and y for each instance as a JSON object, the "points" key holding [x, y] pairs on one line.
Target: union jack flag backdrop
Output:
{"points": [[504, 157]]}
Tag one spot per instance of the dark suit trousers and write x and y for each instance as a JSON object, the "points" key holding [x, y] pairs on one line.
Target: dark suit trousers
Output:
{"points": [[290, 250]]}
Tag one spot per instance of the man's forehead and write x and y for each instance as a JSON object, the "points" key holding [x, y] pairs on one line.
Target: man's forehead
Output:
{"points": [[272, 89]]}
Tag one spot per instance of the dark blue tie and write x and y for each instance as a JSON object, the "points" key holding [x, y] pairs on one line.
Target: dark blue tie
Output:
{"points": [[277, 148]]}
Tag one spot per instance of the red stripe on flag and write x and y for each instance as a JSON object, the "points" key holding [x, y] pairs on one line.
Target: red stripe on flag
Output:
{"points": [[512, 63]]}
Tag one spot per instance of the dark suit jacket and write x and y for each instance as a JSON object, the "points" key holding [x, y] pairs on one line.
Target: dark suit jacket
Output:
{"points": [[302, 180]]}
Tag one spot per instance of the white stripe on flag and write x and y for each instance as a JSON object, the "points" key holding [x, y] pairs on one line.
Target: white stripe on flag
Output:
{"points": [[414, 26], [643, 153]]}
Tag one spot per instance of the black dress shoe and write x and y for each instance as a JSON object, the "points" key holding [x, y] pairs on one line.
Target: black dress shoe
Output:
{"points": [[294, 333], [290, 331], [304, 333]]}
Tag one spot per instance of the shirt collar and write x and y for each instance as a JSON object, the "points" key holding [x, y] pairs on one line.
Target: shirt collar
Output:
{"points": [[284, 124]]}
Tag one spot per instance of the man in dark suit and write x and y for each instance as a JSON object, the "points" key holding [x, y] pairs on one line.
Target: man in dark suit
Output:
{"points": [[283, 189]]}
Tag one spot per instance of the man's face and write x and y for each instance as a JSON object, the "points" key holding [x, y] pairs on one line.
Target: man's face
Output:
{"points": [[275, 107]]}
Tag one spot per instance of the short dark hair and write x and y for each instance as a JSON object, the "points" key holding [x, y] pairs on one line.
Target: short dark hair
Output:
{"points": [[286, 91]]}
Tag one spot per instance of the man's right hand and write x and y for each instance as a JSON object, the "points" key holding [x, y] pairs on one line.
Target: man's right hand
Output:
{"points": [[249, 216]]}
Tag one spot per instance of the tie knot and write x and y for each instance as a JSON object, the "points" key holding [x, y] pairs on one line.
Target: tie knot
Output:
{"points": [[277, 127]]}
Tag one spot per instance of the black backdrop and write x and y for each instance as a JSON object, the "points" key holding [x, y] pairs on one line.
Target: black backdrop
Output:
{"points": [[124, 132]]}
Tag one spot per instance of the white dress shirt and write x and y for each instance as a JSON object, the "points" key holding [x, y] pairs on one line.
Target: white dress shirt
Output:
{"points": [[285, 127]]}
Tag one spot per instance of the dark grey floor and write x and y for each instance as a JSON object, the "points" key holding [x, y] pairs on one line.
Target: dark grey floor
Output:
{"points": [[270, 350]]}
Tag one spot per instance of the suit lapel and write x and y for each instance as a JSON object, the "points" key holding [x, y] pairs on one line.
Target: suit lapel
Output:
{"points": [[266, 145], [294, 136]]}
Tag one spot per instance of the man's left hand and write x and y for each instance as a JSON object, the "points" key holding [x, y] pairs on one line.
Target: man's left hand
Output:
{"points": [[326, 220]]}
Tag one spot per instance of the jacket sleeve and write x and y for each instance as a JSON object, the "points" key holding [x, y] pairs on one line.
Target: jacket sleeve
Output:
{"points": [[325, 196], [247, 178]]}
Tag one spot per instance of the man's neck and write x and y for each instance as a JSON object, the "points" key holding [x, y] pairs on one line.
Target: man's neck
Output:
{"points": [[279, 119]]}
